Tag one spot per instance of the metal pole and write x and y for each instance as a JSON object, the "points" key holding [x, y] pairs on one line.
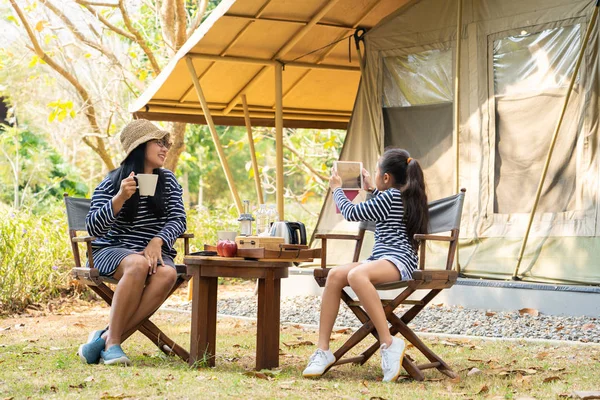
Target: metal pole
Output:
{"points": [[213, 132], [279, 136], [555, 136], [457, 111], [257, 183]]}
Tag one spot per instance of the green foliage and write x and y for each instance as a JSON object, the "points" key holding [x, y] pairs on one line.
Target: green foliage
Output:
{"points": [[34, 256], [34, 169]]}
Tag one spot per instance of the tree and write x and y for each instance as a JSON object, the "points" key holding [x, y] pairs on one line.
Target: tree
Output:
{"points": [[103, 52]]}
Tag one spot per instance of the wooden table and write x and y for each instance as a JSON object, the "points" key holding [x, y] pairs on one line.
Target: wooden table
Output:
{"points": [[205, 272]]}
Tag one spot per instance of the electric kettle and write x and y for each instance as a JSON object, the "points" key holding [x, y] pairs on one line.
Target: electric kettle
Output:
{"points": [[291, 232]]}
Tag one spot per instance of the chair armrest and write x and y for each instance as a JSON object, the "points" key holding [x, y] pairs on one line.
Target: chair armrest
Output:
{"points": [[186, 236], [336, 236], [83, 239], [421, 237]]}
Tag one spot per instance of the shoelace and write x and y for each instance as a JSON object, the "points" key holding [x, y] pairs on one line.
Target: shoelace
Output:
{"points": [[318, 354], [384, 358]]}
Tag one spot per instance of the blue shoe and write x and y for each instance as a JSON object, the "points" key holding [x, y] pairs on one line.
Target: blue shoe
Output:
{"points": [[89, 353], [114, 355]]}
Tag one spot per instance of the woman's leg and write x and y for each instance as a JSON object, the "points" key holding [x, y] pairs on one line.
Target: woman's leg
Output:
{"points": [[131, 274], [156, 291], [337, 279], [362, 280]]}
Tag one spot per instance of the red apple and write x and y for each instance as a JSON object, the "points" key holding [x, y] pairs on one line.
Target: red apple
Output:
{"points": [[229, 248], [220, 245]]}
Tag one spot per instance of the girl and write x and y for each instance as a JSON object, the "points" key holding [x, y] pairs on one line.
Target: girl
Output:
{"points": [[135, 238], [399, 208]]}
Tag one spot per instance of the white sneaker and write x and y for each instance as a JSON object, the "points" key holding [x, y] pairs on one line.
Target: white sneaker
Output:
{"points": [[391, 359], [318, 363]]}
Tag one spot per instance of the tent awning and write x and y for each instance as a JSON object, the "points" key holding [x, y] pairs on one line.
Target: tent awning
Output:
{"points": [[236, 47]]}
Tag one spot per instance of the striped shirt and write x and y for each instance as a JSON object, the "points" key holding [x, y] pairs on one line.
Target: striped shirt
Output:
{"points": [[387, 211], [113, 231]]}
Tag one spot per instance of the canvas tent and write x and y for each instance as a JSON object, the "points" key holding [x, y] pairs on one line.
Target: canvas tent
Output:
{"points": [[274, 63], [517, 59]]}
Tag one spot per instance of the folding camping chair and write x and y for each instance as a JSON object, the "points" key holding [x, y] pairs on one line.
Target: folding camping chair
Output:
{"points": [[444, 216], [77, 209]]}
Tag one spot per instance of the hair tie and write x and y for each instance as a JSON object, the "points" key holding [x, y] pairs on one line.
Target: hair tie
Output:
{"points": [[408, 160]]}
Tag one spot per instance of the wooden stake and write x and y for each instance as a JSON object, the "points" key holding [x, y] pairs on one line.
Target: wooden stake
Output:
{"points": [[257, 183], [215, 136]]}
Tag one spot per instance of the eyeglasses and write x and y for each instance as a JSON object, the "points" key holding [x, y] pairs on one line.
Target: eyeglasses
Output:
{"points": [[162, 143]]}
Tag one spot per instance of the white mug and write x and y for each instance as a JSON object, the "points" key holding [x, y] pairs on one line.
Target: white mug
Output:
{"points": [[147, 184]]}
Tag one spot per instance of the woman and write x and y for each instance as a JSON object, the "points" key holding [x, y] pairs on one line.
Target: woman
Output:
{"points": [[135, 237]]}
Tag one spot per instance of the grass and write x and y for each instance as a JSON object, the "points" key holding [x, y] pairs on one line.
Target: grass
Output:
{"points": [[38, 360]]}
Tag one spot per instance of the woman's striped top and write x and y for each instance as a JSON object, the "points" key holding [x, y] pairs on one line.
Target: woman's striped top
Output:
{"points": [[113, 230], [387, 211]]}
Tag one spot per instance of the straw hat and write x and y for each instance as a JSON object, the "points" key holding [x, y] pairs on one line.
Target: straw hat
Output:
{"points": [[140, 131]]}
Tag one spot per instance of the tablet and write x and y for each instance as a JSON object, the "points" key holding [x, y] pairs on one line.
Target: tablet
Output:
{"points": [[351, 174]]}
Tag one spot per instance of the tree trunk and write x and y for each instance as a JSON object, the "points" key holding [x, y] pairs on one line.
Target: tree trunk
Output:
{"points": [[178, 137]]}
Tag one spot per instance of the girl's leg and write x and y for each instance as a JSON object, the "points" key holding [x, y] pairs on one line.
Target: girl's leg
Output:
{"points": [[362, 280], [337, 279]]}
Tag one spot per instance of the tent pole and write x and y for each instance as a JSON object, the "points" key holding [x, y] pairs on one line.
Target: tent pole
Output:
{"points": [[279, 137], [213, 132], [358, 37], [457, 111], [584, 44], [259, 191]]}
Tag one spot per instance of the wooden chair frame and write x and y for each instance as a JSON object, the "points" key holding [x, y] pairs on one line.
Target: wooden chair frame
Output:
{"points": [[434, 281], [99, 284]]}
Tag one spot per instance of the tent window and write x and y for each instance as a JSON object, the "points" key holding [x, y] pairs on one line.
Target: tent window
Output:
{"points": [[417, 79], [531, 74]]}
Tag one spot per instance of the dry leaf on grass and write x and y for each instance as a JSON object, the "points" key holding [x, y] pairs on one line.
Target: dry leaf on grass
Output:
{"points": [[5, 329], [551, 379], [377, 398], [556, 369], [295, 344], [484, 389], [343, 330], [256, 374], [106, 396], [529, 311], [89, 379], [80, 386], [474, 371]]}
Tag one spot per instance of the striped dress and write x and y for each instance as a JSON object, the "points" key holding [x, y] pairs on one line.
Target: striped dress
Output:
{"points": [[391, 240], [117, 238]]}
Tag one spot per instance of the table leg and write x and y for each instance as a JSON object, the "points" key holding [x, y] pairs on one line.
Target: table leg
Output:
{"points": [[267, 337], [204, 321]]}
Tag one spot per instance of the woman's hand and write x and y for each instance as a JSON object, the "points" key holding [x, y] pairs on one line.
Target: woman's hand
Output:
{"points": [[367, 184], [153, 254], [128, 187], [335, 181]]}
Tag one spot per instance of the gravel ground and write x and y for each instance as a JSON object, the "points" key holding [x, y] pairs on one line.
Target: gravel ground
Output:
{"points": [[435, 319]]}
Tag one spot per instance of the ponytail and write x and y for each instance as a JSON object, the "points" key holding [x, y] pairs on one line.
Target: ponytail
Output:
{"points": [[408, 177], [414, 196]]}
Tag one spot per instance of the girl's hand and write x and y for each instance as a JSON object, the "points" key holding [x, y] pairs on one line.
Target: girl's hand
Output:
{"points": [[153, 254], [128, 187], [335, 181], [367, 184]]}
